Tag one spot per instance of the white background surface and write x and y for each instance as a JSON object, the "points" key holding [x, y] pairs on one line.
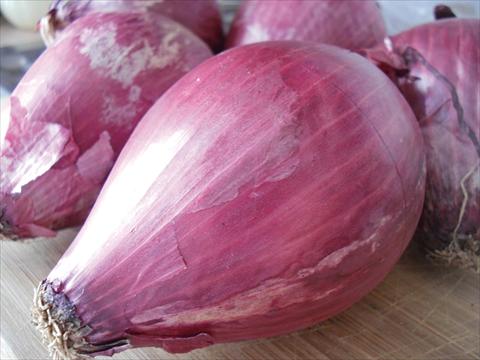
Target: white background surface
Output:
{"points": [[400, 15]]}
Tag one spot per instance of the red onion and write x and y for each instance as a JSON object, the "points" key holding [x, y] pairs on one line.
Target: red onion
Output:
{"points": [[348, 24], [443, 59], [270, 188], [201, 17], [74, 110]]}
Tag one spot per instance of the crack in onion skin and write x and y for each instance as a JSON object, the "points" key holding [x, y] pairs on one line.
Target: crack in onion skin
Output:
{"points": [[73, 111], [201, 17], [269, 189], [348, 24], [442, 88]]}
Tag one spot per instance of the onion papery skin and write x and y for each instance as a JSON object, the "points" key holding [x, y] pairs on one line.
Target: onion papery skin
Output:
{"points": [[270, 188], [443, 90], [74, 109], [201, 17], [348, 24]]}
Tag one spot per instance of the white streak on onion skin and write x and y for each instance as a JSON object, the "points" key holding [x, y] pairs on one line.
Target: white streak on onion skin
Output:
{"points": [[348, 24], [201, 17], [257, 301], [124, 63], [288, 180], [101, 77]]}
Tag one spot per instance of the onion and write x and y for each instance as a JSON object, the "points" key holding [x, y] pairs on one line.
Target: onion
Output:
{"points": [[348, 24], [201, 17], [74, 109], [227, 219], [443, 60]]}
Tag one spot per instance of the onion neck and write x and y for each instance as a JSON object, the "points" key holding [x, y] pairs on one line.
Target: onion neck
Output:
{"points": [[48, 26]]}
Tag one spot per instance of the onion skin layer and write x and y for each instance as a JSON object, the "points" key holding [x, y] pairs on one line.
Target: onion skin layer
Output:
{"points": [[201, 17], [348, 24], [75, 108], [445, 96], [270, 188]]}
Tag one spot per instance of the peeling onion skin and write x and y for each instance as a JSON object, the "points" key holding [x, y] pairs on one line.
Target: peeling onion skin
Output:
{"points": [[348, 24], [201, 17], [75, 108], [247, 219], [450, 224]]}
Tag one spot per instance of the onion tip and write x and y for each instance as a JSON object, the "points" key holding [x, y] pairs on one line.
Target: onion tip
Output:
{"points": [[53, 315], [63, 333], [443, 12]]}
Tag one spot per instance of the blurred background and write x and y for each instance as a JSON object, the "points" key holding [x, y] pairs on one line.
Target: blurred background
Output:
{"points": [[20, 43]]}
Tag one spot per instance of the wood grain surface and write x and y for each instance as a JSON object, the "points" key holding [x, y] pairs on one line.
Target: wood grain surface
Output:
{"points": [[419, 312]]}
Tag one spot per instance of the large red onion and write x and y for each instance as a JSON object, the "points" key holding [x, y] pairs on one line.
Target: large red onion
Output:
{"points": [[269, 189], [200, 16], [74, 109], [442, 87], [348, 24]]}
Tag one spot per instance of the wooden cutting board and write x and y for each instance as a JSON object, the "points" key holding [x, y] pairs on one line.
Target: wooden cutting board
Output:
{"points": [[420, 311]]}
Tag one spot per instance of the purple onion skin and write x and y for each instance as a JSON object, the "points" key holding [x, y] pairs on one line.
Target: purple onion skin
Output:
{"points": [[200, 16], [75, 108], [445, 97], [270, 188], [348, 24]]}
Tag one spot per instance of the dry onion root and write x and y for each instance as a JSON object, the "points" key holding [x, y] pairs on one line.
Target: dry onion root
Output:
{"points": [[464, 249], [465, 256], [59, 329], [62, 333]]}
